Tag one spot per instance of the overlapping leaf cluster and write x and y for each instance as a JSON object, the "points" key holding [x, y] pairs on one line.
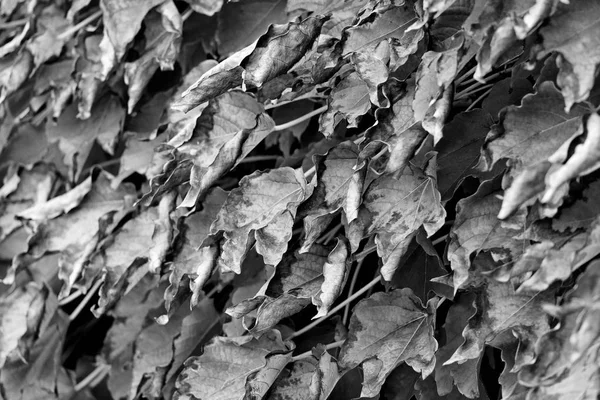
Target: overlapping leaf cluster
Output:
{"points": [[187, 185]]}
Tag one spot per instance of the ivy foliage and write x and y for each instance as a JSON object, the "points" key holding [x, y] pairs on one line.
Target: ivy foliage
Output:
{"points": [[286, 199]]}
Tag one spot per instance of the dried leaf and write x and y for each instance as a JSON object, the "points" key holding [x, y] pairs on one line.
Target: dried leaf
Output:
{"points": [[122, 21], [335, 272], [583, 161], [477, 228], [228, 365], [241, 23], [501, 316], [279, 49], [458, 150], [385, 330], [349, 100], [76, 137], [399, 205], [573, 32], [532, 132], [260, 198]]}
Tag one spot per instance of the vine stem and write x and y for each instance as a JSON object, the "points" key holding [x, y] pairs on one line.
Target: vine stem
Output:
{"points": [[86, 299], [465, 76], [307, 354], [467, 93], [259, 158], [439, 240], [96, 375], [352, 284], [336, 308], [70, 297], [75, 28], [300, 120], [13, 24], [307, 96], [478, 99], [365, 252]]}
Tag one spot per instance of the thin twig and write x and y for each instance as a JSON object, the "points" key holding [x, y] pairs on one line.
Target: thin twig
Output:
{"points": [[307, 354], [365, 252], [100, 370], [478, 99], [13, 24], [70, 297], [464, 76], [300, 120], [79, 26], [352, 284], [186, 14], [336, 308], [327, 236], [439, 240], [465, 94], [259, 158], [307, 96], [86, 299]]}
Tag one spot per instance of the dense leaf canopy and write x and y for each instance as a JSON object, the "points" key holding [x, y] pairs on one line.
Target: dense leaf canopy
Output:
{"points": [[299, 199]]}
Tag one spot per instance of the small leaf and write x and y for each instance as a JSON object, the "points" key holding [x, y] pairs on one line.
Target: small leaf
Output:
{"points": [[48, 43], [386, 330]]}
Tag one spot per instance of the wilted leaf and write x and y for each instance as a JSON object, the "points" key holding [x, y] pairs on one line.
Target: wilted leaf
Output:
{"points": [[501, 316], [581, 213], [48, 42], [206, 7], [583, 161], [31, 188], [567, 356], [76, 137], [386, 330], [140, 246], [399, 204], [573, 32], [202, 176], [335, 172], [279, 49], [477, 228], [532, 132], [76, 233], [163, 36], [335, 272], [349, 100], [191, 260], [227, 365], [20, 309], [259, 199], [122, 21], [463, 375], [307, 379], [458, 150], [241, 23], [14, 70]]}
